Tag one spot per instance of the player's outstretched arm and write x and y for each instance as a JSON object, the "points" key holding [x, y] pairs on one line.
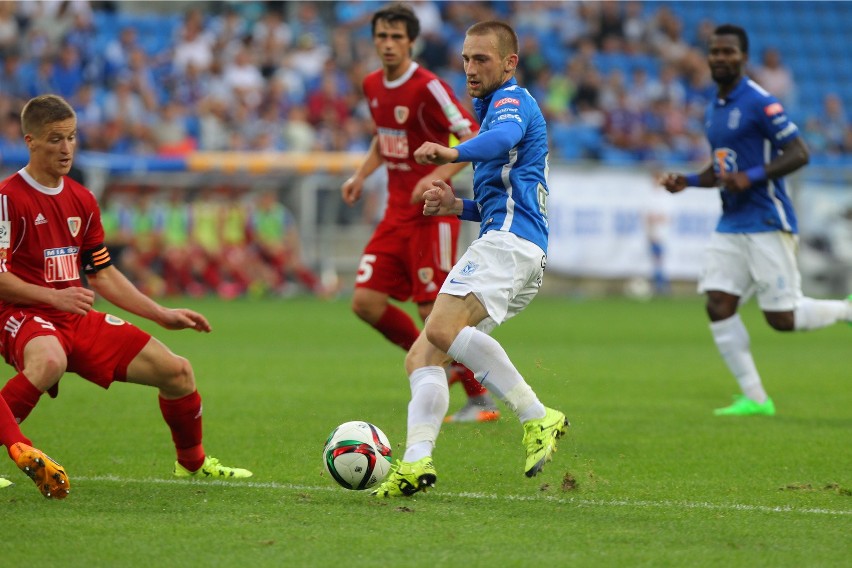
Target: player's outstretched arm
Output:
{"points": [[115, 288]]}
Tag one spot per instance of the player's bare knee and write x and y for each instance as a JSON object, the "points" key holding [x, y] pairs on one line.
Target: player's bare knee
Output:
{"points": [[366, 311], [45, 370], [178, 376], [781, 321], [440, 337]]}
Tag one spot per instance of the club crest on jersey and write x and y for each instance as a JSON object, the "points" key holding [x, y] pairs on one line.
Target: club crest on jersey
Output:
{"points": [[400, 113], [425, 274], [734, 119], [507, 101], [74, 224], [5, 234]]}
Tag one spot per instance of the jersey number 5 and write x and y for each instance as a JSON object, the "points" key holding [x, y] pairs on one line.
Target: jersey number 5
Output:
{"points": [[365, 268]]}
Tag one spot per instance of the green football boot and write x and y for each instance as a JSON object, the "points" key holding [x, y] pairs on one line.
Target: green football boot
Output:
{"points": [[744, 406], [407, 478], [211, 468], [540, 439]]}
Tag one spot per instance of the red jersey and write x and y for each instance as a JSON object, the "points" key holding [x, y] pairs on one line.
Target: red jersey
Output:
{"points": [[416, 108], [45, 232]]}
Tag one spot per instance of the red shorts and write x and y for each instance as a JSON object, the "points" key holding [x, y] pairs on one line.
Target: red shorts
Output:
{"points": [[99, 346], [409, 261]]}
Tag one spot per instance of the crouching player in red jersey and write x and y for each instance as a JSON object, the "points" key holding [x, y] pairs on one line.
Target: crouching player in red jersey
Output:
{"points": [[50, 229], [409, 255]]}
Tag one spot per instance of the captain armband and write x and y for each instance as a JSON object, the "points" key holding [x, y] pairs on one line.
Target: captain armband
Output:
{"points": [[96, 259]]}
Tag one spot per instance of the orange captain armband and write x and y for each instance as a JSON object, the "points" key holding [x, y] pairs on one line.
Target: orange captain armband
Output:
{"points": [[96, 259]]}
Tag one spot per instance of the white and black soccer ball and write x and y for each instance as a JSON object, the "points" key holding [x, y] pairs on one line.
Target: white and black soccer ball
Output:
{"points": [[357, 455]]}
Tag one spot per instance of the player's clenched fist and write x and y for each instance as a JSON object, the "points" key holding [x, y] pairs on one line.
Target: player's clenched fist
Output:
{"points": [[435, 154]]}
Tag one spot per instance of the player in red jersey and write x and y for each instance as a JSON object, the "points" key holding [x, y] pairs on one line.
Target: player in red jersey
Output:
{"points": [[409, 254], [50, 230]]}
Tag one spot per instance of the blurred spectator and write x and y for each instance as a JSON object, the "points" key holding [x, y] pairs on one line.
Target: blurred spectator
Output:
{"points": [[776, 77], [308, 23], [834, 124], [170, 134], [10, 30], [117, 53], [327, 103], [272, 31], [533, 63], [243, 77], [308, 59], [12, 79], [275, 236], [586, 100], [609, 29], [635, 28], [214, 125], [624, 127], [298, 134], [667, 36], [194, 44], [90, 116]]}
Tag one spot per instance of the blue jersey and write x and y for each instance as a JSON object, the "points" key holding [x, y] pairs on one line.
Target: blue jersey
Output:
{"points": [[510, 187], [748, 129]]}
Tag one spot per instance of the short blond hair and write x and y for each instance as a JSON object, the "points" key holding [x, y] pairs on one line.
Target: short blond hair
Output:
{"points": [[507, 39], [43, 110]]}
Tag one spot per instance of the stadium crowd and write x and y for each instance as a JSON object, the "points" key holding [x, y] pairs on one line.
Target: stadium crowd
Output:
{"points": [[619, 81]]}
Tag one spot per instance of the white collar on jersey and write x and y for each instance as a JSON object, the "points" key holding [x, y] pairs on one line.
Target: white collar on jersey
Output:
{"points": [[405, 77], [42, 188]]}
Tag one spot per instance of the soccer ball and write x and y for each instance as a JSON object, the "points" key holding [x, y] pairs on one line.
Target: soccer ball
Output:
{"points": [[357, 455]]}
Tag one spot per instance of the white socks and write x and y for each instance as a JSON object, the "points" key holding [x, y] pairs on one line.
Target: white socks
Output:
{"points": [[483, 355], [815, 314], [430, 400], [732, 339]]}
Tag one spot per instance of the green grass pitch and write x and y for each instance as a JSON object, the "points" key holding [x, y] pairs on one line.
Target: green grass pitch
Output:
{"points": [[646, 477]]}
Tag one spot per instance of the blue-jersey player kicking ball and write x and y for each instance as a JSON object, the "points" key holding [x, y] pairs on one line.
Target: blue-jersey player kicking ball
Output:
{"points": [[498, 275], [753, 250]]}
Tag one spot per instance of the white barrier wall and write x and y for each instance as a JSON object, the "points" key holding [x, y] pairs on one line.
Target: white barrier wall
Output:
{"points": [[602, 221]]}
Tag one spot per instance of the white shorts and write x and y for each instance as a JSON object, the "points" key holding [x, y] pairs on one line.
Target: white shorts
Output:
{"points": [[746, 263], [503, 271]]}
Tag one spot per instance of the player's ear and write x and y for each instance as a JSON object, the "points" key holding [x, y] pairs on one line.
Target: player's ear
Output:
{"points": [[511, 62]]}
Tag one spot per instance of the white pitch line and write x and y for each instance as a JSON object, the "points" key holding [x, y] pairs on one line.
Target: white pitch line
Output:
{"points": [[580, 502]]}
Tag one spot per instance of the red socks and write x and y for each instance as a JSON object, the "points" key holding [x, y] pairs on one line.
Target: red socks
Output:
{"points": [[10, 432], [472, 387], [398, 327], [21, 396], [183, 415]]}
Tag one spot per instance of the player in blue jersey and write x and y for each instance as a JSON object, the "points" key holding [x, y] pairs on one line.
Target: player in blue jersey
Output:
{"points": [[753, 250], [498, 275]]}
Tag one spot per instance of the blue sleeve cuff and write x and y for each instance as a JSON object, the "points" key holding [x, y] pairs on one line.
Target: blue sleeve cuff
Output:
{"points": [[692, 180], [470, 212], [756, 174]]}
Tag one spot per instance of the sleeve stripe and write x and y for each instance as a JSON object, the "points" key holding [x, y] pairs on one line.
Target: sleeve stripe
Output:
{"points": [[448, 106], [100, 257]]}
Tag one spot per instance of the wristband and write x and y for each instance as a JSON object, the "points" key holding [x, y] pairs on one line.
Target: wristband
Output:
{"points": [[692, 180], [756, 174]]}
